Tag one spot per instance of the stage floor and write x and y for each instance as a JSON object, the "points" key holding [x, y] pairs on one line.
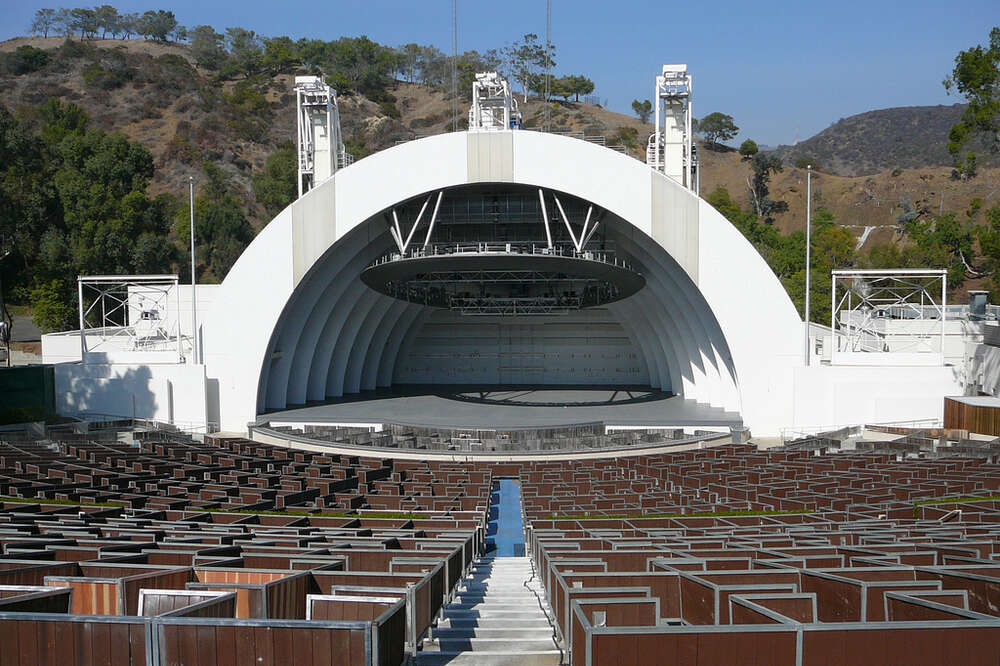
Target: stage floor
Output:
{"points": [[511, 409]]}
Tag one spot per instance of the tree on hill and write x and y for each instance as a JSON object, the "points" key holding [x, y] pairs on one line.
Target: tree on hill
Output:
{"points": [[275, 187], [107, 20], [642, 109], [525, 57], [748, 149], [576, 85], [976, 77], [716, 128], [763, 165], [157, 25], [85, 21], [246, 49], [208, 47], [128, 25], [45, 20]]}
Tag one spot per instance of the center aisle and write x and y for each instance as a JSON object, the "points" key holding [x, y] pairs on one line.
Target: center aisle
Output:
{"points": [[499, 615], [510, 531]]}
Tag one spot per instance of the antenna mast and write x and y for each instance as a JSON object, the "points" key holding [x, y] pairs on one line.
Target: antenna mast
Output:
{"points": [[548, 61], [454, 65]]}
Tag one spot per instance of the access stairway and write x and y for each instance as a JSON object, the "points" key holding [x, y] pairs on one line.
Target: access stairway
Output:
{"points": [[495, 619]]}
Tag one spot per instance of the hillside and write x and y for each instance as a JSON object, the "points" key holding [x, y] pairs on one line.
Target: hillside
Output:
{"points": [[868, 206], [232, 134], [909, 137], [178, 111], [184, 117]]}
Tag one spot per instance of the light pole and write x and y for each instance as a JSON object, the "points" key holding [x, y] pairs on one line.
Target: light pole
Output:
{"points": [[809, 174], [194, 300]]}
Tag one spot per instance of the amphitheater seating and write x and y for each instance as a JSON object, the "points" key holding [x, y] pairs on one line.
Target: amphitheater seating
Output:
{"points": [[119, 548]]}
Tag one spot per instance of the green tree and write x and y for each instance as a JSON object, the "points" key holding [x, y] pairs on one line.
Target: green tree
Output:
{"points": [[578, 85], [107, 20], [280, 55], [29, 203], [44, 21], [221, 226], [526, 57], [52, 306], [57, 120], [24, 60], [989, 244], [717, 127], [748, 149], [976, 76], [806, 161], [642, 109], [208, 47], [246, 49], [128, 25], [85, 21], [275, 187], [763, 165], [157, 25]]}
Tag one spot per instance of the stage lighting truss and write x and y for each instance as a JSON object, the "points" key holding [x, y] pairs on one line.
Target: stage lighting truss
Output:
{"points": [[900, 311], [504, 278]]}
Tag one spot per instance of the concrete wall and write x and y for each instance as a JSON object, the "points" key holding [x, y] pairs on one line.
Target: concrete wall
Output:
{"points": [[169, 393], [846, 395]]}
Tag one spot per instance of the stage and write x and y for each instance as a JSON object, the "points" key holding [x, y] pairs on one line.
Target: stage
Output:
{"points": [[506, 408]]}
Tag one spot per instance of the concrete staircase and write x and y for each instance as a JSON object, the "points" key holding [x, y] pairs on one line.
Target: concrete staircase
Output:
{"points": [[494, 620]]}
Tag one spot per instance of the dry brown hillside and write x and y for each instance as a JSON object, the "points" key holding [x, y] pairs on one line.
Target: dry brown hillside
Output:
{"points": [[181, 115], [857, 203]]}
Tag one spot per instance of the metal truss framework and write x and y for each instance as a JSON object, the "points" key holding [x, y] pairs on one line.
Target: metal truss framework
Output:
{"points": [[671, 149], [884, 311], [493, 105], [510, 291], [580, 237], [321, 149], [130, 313]]}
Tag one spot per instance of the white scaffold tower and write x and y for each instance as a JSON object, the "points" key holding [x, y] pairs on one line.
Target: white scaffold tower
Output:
{"points": [[493, 105], [671, 148], [320, 144]]}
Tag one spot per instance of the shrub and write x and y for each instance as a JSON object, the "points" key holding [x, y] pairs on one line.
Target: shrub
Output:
{"points": [[804, 161], [24, 60], [247, 113], [389, 108], [111, 71]]}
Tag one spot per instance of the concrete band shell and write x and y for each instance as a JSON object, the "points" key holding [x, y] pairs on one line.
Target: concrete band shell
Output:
{"points": [[294, 322]]}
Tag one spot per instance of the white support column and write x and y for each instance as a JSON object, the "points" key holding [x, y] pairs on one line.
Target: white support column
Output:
{"points": [[83, 337], [545, 218], [430, 227], [572, 235]]}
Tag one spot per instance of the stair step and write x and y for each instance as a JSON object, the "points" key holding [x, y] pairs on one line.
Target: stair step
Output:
{"points": [[531, 615], [488, 645], [539, 658], [491, 622], [531, 633]]}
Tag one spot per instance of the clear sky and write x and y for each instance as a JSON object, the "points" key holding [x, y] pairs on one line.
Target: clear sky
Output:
{"points": [[781, 69]]}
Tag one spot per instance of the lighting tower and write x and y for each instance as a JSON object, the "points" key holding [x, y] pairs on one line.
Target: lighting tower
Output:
{"points": [[671, 147], [493, 104], [320, 144]]}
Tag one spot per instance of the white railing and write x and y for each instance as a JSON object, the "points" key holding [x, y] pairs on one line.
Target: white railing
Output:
{"points": [[853, 429]]}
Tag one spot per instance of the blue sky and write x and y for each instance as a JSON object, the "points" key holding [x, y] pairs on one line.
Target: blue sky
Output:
{"points": [[781, 69]]}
